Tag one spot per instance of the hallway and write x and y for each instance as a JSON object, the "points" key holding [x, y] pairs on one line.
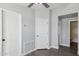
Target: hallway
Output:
{"points": [[62, 51]]}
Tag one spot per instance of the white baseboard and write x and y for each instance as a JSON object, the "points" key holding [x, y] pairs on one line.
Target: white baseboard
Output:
{"points": [[56, 47], [28, 52], [65, 45]]}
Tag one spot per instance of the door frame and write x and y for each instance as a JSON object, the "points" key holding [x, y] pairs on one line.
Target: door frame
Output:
{"points": [[1, 32], [71, 19], [20, 31]]}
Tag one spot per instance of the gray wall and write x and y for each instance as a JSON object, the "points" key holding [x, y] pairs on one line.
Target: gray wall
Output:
{"points": [[64, 33], [28, 25]]}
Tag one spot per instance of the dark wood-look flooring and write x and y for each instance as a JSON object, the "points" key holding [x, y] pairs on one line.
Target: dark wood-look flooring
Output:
{"points": [[62, 51]]}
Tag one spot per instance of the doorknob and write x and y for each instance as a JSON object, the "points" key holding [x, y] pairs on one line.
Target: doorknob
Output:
{"points": [[37, 35], [3, 39]]}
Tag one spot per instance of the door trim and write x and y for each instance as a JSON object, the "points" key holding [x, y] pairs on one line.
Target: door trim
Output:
{"points": [[21, 41], [1, 32]]}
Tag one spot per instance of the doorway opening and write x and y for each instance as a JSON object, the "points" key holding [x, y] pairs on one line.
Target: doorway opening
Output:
{"points": [[73, 35], [68, 33]]}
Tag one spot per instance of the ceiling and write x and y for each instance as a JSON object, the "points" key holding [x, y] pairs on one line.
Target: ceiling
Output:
{"points": [[52, 5]]}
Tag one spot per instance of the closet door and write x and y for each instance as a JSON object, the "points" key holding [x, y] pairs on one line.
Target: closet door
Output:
{"points": [[12, 33], [42, 29]]}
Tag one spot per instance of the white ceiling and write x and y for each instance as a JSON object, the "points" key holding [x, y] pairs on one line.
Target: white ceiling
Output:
{"points": [[52, 5]]}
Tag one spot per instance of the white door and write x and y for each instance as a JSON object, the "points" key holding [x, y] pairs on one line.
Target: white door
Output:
{"points": [[0, 32], [42, 29], [11, 33]]}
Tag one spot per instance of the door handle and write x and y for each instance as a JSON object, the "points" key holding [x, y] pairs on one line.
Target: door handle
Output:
{"points": [[3, 39], [37, 35]]}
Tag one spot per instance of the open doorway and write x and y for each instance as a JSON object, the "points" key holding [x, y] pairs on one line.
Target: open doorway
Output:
{"points": [[68, 33], [73, 35]]}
